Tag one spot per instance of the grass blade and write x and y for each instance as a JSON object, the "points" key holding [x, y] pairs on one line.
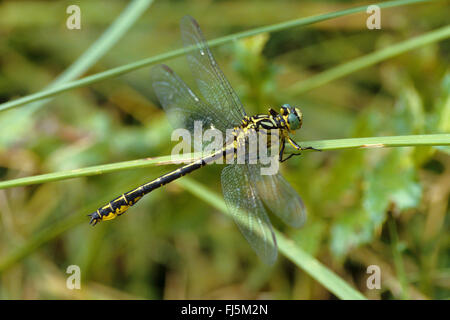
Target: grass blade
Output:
{"points": [[369, 60], [175, 53], [97, 50], [303, 260], [371, 142]]}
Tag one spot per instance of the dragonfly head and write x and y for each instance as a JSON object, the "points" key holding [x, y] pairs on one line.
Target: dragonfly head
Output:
{"points": [[292, 116]]}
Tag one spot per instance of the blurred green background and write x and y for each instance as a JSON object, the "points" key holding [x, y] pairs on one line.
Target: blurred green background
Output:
{"points": [[385, 207]]}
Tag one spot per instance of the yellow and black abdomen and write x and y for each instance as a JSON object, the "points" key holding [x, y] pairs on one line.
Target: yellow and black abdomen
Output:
{"points": [[121, 204], [117, 206]]}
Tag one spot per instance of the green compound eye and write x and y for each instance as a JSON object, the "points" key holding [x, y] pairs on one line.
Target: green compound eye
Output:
{"points": [[294, 122]]}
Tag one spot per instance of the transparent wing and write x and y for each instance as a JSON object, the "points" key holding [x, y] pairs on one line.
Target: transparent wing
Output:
{"points": [[279, 196], [181, 104], [212, 83], [248, 211]]}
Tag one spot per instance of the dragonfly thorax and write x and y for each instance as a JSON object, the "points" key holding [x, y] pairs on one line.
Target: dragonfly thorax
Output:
{"points": [[288, 119]]}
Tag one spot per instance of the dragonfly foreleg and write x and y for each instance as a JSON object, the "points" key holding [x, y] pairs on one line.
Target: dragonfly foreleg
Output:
{"points": [[280, 156], [311, 148], [291, 155], [296, 147]]}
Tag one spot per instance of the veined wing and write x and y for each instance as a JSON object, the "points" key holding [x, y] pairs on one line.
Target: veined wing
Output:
{"points": [[181, 104], [248, 211], [279, 196], [212, 83]]}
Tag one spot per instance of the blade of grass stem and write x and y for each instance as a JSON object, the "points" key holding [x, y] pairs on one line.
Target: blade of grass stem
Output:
{"points": [[302, 259], [397, 257], [369, 60], [175, 53], [98, 49], [39, 239], [287, 247], [371, 142]]}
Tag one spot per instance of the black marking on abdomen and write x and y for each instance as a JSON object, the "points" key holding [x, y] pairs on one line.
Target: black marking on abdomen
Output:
{"points": [[121, 204]]}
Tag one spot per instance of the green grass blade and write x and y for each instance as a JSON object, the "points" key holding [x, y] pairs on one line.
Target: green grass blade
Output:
{"points": [[37, 240], [316, 270], [397, 257], [369, 60], [97, 50], [89, 171], [439, 139], [15, 122], [41, 237], [302, 259], [107, 40], [371, 142], [175, 53], [297, 255]]}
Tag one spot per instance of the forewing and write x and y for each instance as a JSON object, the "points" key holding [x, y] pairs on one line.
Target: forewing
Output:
{"points": [[248, 211], [211, 82], [180, 103], [279, 196]]}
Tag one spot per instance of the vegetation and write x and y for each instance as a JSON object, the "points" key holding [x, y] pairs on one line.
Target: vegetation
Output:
{"points": [[376, 101]]}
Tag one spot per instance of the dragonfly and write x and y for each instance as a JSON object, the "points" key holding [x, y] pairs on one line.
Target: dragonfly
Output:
{"points": [[247, 193]]}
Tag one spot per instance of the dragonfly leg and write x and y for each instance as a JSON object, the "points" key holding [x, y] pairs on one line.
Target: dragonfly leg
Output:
{"points": [[311, 148], [297, 147], [280, 157], [291, 155], [280, 154]]}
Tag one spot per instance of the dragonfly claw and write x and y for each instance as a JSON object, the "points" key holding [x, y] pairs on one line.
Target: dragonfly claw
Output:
{"points": [[95, 218]]}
